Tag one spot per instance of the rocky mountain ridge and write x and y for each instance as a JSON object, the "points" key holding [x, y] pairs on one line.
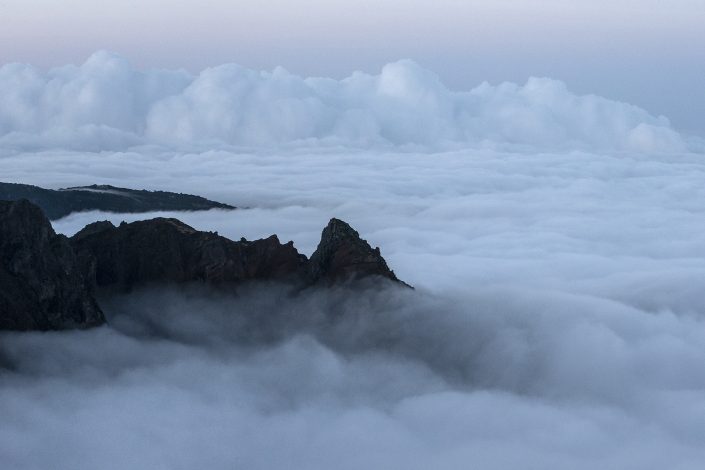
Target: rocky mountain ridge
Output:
{"points": [[48, 281]]}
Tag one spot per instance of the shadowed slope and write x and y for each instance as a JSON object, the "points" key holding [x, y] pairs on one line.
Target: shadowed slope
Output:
{"points": [[42, 286]]}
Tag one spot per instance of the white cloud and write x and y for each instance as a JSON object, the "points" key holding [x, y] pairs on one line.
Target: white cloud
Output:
{"points": [[558, 320], [106, 104], [557, 323], [495, 379]]}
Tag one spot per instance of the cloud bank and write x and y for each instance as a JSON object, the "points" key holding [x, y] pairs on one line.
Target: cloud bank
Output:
{"points": [[392, 380], [557, 243], [558, 321], [105, 104]]}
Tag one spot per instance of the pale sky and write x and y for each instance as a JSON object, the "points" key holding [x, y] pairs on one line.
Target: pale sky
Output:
{"points": [[647, 52]]}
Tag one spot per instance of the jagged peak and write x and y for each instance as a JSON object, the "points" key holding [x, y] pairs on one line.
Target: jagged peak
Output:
{"points": [[342, 254], [338, 229]]}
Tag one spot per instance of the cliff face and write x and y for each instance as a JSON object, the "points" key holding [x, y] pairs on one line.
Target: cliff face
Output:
{"points": [[42, 286], [46, 280]]}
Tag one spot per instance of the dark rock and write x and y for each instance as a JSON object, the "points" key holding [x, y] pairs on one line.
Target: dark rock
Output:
{"points": [[159, 251], [47, 280], [167, 251], [62, 202], [342, 255], [41, 282]]}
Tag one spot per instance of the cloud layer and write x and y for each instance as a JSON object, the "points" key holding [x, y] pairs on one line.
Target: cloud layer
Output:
{"points": [[557, 243], [557, 323], [494, 379], [105, 104]]}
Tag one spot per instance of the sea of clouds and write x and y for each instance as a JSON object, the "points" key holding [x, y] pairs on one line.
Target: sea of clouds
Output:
{"points": [[107, 104], [558, 319]]}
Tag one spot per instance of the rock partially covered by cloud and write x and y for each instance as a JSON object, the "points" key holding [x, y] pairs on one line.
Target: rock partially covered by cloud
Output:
{"points": [[42, 284], [107, 104], [343, 255], [48, 282], [167, 251]]}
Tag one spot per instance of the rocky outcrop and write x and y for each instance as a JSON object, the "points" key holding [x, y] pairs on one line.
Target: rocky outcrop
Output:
{"points": [[47, 281], [62, 202], [342, 255], [42, 286], [159, 251]]}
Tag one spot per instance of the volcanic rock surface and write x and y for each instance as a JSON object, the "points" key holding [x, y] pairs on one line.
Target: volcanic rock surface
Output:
{"points": [[47, 281], [167, 251], [42, 285], [62, 202], [342, 255]]}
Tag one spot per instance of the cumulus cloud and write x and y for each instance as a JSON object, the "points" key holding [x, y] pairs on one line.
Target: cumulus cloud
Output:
{"points": [[105, 104]]}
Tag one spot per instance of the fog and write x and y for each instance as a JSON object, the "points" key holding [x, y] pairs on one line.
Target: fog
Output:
{"points": [[557, 319], [393, 379]]}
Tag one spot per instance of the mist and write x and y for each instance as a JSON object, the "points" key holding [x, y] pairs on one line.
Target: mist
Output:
{"points": [[556, 322], [397, 379]]}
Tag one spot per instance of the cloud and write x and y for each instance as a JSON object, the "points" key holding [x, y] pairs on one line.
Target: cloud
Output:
{"points": [[557, 320], [105, 104], [556, 243], [395, 379]]}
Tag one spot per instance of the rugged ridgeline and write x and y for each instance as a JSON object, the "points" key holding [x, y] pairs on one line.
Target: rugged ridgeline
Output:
{"points": [[62, 202], [167, 250], [47, 281]]}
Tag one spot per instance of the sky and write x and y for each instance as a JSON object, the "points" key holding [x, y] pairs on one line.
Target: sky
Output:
{"points": [[649, 53]]}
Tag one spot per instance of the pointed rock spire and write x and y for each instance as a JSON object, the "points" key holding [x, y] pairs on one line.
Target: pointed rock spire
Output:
{"points": [[342, 255]]}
